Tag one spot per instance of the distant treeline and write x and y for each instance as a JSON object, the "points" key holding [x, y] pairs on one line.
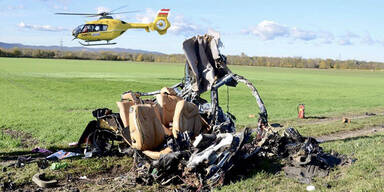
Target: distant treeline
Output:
{"points": [[291, 62]]}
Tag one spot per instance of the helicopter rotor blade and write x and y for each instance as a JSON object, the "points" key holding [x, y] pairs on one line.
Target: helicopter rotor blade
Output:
{"points": [[76, 14], [136, 11], [124, 6], [94, 15], [101, 14]]}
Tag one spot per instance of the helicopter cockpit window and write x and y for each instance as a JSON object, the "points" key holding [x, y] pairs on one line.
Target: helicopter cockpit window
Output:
{"points": [[91, 28], [78, 29], [86, 29], [94, 28], [97, 28]]}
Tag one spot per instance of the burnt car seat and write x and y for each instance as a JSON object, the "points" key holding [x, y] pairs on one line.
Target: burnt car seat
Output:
{"points": [[186, 118], [167, 101], [146, 130]]}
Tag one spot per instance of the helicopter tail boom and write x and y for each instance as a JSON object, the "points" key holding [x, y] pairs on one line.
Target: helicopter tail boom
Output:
{"points": [[160, 24]]}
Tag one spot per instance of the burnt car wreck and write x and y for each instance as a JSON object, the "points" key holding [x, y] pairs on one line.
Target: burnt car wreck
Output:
{"points": [[177, 137]]}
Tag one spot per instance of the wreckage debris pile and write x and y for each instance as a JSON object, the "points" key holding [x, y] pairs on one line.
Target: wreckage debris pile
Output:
{"points": [[177, 137], [210, 158], [302, 157]]}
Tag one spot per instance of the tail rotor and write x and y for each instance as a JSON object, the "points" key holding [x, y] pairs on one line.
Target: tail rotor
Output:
{"points": [[161, 23]]}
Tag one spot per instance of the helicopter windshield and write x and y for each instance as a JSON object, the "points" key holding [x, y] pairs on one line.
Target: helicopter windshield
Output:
{"points": [[77, 30]]}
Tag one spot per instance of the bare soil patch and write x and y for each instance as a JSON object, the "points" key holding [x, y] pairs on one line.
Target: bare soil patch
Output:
{"points": [[350, 134], [26, 139], [323, 119]]}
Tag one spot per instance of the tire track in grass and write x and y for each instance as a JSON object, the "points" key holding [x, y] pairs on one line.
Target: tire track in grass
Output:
{"points": [[350, 134]]}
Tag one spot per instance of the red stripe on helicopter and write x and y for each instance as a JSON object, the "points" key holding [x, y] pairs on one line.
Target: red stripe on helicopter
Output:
{"points": [[162, 14]]}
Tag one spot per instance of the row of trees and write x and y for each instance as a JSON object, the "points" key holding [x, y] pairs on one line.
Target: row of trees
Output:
{"points": [[298, 62], [291, 62]]}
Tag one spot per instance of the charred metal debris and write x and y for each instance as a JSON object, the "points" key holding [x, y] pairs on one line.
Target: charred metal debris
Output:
{"points": [[177, 137]]}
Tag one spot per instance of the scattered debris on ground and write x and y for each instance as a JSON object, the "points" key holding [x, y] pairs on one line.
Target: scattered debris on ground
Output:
{"points": [[42, 151], [301, 111], [62, 155], [346, 120], [42, 181]]}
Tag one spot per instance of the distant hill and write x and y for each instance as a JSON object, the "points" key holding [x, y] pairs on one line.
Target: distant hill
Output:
{"points": [[12, 45]]}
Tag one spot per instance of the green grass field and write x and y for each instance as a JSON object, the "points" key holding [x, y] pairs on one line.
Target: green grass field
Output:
{"points": [[51, 101]]}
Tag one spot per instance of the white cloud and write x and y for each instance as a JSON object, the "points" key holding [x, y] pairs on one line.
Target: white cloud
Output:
{"points": [[348, 39], [303, 34], [326, 37], [352, 35], [181, 26], [146, 17], [367, 39], [269, 30], [351, 38], [42, 27]]}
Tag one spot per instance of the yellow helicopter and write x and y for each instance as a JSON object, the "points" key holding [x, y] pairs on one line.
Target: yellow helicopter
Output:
{"points": [[106, 28]]}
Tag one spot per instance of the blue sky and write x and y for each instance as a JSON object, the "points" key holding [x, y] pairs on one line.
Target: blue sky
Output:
{"points": [[337, 29]]}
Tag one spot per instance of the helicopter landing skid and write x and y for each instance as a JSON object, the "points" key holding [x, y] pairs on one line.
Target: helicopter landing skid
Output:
{"points": [[95, 44]]}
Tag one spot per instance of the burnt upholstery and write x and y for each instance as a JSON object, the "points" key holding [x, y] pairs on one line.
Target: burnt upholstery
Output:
{"points": [[148, 122], [167, 103], [146, 130], [186, 118]]}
